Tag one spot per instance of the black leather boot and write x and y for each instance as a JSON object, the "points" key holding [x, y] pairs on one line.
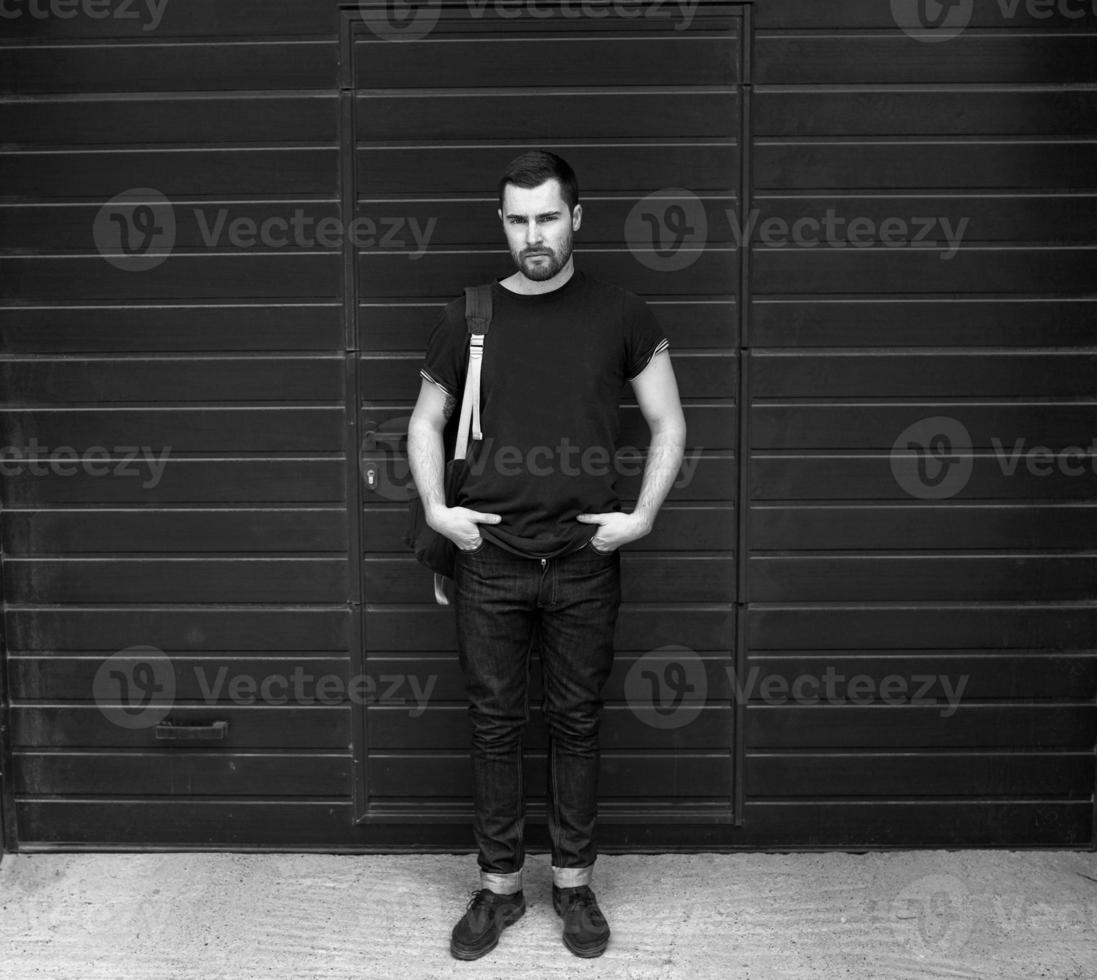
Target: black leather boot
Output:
{"points": [[486, 916]]}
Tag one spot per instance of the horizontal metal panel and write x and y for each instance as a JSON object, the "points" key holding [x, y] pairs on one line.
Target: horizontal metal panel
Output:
{"points": [[546, 114], [161, 430], [206, 579], [810, 776], [210, 225], [881, 269], [1013, 111], [1008, 430], [856, 14], [170, 628], [184, 327], [183, 530], [836, 374], [212, 680], [605, 166], [909, 676], [894, 58], [895, 164], [1042, 726], [100, 174], [182, 774], [187, 67], [261, 726], [1016, 576], [1004, 626], [469, 61], [870, 476], [937, 222], [939, 525], [923, 321], [143, 120], [225, 480], [182, 276], [60, 381]]}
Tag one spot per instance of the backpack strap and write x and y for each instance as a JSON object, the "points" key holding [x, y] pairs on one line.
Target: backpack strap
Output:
{"points": [[478, 320]]}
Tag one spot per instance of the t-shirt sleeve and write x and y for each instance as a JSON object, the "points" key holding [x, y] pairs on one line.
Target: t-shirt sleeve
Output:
{"points": [[644, 338], [446, 358]]}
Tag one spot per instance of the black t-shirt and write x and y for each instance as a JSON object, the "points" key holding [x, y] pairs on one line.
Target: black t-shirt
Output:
{"points": [[555, 365]]}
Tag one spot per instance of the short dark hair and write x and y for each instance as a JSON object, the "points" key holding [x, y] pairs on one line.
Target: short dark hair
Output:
{"points": [[534, 167]]}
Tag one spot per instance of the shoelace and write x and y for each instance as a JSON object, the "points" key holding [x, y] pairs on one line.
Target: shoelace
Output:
{"points": [[582, 899]]}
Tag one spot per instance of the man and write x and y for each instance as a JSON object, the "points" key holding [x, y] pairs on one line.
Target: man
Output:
{"points": [[538, 527]]}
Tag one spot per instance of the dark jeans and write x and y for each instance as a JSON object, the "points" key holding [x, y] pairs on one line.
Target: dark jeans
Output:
{"points": [[569, 604]]}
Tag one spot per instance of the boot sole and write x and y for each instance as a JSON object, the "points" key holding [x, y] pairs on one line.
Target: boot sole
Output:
{"points": [[470, 953]]}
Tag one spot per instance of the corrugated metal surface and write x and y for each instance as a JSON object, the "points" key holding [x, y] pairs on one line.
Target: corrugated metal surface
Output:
{"points": [[276, 374], [862, 351]]}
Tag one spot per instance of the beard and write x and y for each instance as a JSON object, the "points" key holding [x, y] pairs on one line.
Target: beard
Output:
{"points": [[541, 269]]}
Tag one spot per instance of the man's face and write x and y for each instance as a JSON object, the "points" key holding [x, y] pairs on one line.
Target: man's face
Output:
{"points": [[539, 228]]}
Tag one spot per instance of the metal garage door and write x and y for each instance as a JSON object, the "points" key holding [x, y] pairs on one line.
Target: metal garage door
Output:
{"points": [[269, 359]]}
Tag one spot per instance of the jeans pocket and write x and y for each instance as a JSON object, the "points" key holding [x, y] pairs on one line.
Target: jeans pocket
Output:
{"points": [[599, 551], [476, 550]]}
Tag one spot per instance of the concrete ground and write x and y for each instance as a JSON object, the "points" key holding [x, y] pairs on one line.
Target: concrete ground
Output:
{"points": [[170, 916]]}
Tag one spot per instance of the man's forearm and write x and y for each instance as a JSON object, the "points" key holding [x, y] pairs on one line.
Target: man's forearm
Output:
{"points": [[664, 458], [426, 457]]}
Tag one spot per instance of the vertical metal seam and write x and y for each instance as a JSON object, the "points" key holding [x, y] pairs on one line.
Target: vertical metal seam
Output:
{"points": [[348, 197], [9, 828], [742, 503]]}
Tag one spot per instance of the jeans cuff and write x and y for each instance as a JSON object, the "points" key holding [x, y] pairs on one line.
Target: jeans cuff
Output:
{"points": [[502, 884], [572, 877]]}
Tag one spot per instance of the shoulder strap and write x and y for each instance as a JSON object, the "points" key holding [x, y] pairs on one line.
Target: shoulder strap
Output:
{"points": [[478, 308], [478, 319]]}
